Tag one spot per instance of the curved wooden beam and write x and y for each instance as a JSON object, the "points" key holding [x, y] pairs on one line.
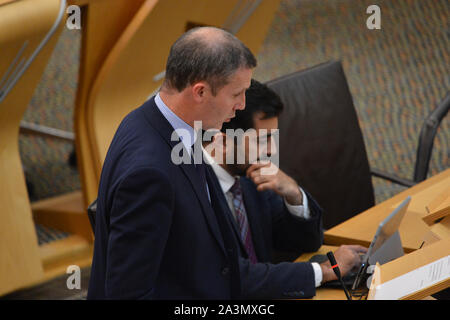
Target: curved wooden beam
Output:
{"points": [[21, 21]]}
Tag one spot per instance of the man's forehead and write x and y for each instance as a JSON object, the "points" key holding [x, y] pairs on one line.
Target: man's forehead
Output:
{"points": [[241, 78]]}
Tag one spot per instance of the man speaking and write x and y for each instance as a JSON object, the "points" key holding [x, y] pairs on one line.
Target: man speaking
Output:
{"points": [[158, 234]]}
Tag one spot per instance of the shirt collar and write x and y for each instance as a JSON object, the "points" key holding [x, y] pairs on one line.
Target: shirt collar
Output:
{"points": [[226, 180], [184, 131]]}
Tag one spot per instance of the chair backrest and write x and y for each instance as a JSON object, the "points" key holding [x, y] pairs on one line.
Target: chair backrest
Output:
{"points": [[28, 34], [321, 143], [426, 139]]}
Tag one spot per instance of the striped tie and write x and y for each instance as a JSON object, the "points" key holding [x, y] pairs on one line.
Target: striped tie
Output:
{"points": [[241, 217]]}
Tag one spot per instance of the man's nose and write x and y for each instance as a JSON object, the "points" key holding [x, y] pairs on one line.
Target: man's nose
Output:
{"points": [[241, 104]]}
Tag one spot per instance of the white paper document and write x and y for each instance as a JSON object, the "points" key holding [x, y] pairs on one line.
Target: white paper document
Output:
{"points": [[414, 281]]}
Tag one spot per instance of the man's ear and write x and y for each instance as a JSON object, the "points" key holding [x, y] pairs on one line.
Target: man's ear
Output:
{"points": [[199, 91]]}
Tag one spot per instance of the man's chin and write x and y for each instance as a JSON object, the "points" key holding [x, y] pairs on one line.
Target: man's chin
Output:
{"points": [[239, 169], [216, 126]]}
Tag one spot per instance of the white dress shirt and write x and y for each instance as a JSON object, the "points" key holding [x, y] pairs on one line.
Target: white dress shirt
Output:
{"points": [[177, 124], [226, 181]]}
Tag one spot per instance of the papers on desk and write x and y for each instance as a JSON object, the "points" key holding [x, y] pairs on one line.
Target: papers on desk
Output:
{"points": [[411, 282]]}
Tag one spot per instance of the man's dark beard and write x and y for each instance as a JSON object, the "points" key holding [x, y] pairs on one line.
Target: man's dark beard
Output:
{"points": [[238, 169]]}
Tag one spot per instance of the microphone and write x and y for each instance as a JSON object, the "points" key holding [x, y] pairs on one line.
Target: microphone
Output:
{"points": [[337, 272]]}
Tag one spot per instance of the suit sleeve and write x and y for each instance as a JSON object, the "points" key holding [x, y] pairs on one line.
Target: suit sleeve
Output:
{"points": [[291, 233], [276, 281], [140, 220]]}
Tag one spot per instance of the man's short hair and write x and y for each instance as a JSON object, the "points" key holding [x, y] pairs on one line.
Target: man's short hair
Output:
{"points": [[259, 98], [195, 57]]}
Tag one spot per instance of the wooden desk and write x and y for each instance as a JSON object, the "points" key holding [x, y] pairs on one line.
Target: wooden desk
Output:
{"points": [[330, 293], [361, 228]]}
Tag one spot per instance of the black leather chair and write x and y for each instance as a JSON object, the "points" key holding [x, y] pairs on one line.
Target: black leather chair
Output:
{"points": [[321, 143]]}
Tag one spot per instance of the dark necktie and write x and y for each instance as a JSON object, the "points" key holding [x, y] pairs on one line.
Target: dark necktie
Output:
{"points": [[241, 218]]}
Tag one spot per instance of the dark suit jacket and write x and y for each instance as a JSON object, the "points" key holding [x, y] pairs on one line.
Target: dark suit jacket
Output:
{"points": [[156, 234], [273, 227]]}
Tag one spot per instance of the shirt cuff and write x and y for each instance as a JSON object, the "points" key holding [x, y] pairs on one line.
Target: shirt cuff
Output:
{"points": [[317, 273], [301, 211]]}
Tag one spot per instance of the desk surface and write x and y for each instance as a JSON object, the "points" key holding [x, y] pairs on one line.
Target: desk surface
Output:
{"points": [[361, 228]]}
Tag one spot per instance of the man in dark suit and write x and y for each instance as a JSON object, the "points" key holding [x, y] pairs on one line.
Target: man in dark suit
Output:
{"points": [[158, 234], [268, 211]]}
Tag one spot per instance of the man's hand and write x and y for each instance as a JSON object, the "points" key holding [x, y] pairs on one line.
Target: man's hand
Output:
{"points": [[347, 257], [276, 180]]}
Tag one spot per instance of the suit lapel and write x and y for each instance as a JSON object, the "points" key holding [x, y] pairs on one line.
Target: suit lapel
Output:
{"points": [[191, 173], [165, 129]]}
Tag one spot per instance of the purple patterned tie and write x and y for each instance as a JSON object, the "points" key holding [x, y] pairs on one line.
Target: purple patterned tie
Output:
{"points": [[241, 217]]}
